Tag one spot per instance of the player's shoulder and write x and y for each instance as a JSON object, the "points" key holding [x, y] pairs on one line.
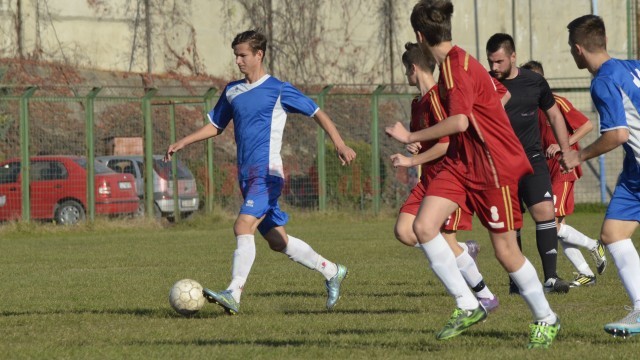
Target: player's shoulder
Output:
{"points": [[563, 103]]}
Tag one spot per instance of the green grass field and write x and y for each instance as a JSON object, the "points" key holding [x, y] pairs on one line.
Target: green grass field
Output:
{"points": [[101, 292]]}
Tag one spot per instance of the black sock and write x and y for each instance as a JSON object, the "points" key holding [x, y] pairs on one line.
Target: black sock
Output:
{"points": [[547, 241]]}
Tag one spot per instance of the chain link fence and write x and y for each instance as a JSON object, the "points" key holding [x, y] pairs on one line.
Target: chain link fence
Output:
{"points": [[127, 129]]}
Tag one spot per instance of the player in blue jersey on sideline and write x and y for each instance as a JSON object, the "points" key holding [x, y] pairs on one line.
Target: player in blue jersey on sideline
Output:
{"points": [[258, 105], [615, 90]]}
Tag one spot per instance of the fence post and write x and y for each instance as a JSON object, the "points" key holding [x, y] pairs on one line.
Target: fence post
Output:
{"points": [[148, 152], [174, 162], [24, 152], [208, 96], [322, 163], [375, 149], [91, 170]]}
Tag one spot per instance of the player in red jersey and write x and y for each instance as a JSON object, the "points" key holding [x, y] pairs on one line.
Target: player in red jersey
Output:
{"points": [[480, 173], [562, 183], [426, 110]]}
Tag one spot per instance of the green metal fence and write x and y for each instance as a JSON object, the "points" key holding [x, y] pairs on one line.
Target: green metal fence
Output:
{"points": [[89, 121]]}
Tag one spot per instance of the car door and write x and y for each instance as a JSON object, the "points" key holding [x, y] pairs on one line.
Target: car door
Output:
{"points": [[47, 186], [10, 191]]}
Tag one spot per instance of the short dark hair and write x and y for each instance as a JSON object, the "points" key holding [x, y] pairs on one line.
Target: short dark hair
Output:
{"points": [[432, 18], [413, 55], [534, 66], [589, 32], [255, 39], [501, 40]]}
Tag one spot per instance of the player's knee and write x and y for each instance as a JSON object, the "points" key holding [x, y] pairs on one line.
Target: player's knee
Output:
{"points": [[406, 236], [425, 231]]}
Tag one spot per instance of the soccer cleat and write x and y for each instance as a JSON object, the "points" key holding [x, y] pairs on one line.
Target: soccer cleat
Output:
{"points": [[333, 286], [460, 321], [490, 305], [224, 299], [583, 280], [541, 334], [556, 285], [473, 248], [627, 326], [598, 256]]}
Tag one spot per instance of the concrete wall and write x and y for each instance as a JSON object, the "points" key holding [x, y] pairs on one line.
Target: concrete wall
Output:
{"points": [[194, 36]]}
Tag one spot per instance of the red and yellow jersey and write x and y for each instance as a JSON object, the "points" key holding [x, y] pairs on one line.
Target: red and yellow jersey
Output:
{"points": [[573, 119], [428, 111], [488, 154]]}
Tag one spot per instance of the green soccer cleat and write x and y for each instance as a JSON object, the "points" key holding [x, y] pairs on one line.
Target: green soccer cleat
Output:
{"points": [[541, 334], [460, 321], [583, 280], [333, 286], [598, 256], [224, 299], [627, 326]]}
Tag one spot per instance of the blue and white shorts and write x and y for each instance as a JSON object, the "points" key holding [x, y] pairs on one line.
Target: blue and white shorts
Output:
{"points": [[261, 199], [625, 203]]}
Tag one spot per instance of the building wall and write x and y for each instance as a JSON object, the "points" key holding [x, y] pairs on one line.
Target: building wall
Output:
{"points": [[345, 46]]}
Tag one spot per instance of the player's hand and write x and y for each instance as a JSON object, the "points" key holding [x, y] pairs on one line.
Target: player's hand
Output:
{"points": [[552, 150], [398, 132], [173, 148], [400, 160], [345, 154], [569, 160], [413, 148]]}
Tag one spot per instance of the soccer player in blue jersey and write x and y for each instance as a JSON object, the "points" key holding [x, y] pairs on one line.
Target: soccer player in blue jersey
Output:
{"points": [[258, 105], [615, 90]]}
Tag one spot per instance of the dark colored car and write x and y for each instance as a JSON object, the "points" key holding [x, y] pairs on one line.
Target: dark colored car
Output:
{"points": [[58, 189]]}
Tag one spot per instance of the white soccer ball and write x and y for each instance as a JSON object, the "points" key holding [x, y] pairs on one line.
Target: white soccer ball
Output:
{"points": [[186, 297]]}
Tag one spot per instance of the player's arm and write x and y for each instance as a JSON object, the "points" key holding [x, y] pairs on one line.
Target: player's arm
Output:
{"points": [[558, 127], [345, 153], [580, 132], [452, 125], [205, 132], [435, 152], [608, 141]]}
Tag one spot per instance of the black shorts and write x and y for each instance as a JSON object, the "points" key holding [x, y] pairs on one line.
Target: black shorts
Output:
{"points": [[535, 188]]}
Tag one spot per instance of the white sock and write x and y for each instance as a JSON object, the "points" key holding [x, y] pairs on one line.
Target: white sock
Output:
{"points": [[625, 256], [574, 237], [243, 259], [300, 252], [471, 275], [575, 257], [531, 291], [443, 264]]}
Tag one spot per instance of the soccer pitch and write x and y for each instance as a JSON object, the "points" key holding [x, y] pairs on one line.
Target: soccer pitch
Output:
{"points": [[102, 292]]}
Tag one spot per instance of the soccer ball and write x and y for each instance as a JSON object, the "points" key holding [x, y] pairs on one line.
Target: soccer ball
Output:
{"points": [[186, 297]]}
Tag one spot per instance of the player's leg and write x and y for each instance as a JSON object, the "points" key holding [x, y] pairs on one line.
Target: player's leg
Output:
{"points": [[621, 221], [537, 195], [498, 210], [254, 192], [404, 225], [571, 238], [444, 194], [462, 220]]}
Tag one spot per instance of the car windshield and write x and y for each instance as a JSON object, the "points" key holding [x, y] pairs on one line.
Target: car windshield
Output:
{"points": [[164, 170], [99, 167]]}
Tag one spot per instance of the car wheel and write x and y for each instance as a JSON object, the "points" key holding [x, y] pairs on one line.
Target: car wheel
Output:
{"points": [[140, 211], [69, 213]]}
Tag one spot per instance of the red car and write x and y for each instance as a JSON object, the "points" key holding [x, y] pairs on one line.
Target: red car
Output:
{"points": [[59, 189]]}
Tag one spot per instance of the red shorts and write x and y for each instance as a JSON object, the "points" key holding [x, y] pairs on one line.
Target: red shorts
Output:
{"points": [[498, 209], [563, 198], [458, 220]]}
